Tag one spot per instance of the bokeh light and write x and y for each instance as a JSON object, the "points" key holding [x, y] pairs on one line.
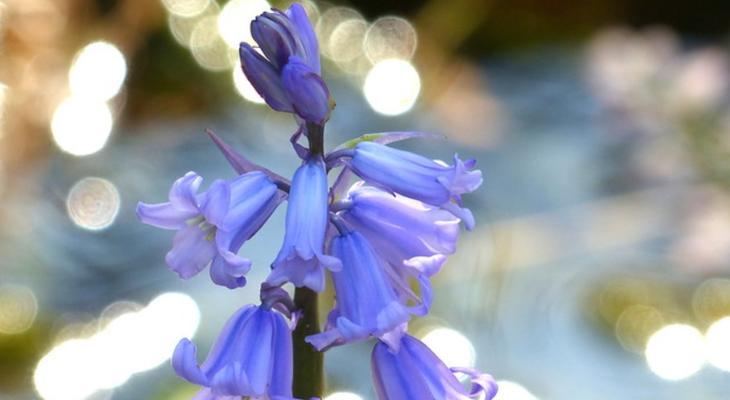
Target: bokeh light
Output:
{"points": [[345, 42], [717, 340], [390, 37], [329, 21], [711, 300], [208, 48], [182, 27], [233, 20], [343, 396], [636, 324], [3, 97], [675, 352], [186, 8], [453, 348], [509, 390], [93, 203], [128, 344], [18, 309], [98, 71], [392, 86], [244, 87], [81, 126]]}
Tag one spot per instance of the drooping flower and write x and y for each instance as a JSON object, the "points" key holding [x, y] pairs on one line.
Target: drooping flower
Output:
{"points": [[413, 371], [213, 225], [411, 237], [408, 233], [252, 357], [287, 76], [417, 177], [367, 304], [301, 259]]}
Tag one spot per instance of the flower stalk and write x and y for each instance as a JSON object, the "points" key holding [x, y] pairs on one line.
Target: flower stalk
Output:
{"points": [[308, 362]]}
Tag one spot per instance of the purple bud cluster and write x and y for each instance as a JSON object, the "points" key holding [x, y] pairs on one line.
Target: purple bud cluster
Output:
{"points": [[381, 231]]}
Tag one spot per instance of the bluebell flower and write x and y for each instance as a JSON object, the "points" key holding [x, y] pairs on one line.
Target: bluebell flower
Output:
{"points": [[213, 225], [412, 371], [287, 75], [252, 357], [367, 304], [417, 177], [301, 259], [411, 237], [407, 233]]}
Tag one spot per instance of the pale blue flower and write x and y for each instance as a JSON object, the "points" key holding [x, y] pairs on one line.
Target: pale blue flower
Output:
{"points": [[213, 225], [251, 358], [413, 371], [301, 259]]}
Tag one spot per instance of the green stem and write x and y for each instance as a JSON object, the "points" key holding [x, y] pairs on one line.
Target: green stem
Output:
{"points": [[308, 362]]}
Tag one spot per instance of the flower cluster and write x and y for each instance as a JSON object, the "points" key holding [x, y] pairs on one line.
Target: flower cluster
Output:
{"points": [[381, 231]]}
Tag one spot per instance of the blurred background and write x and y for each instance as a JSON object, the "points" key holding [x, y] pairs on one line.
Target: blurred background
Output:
{"points": [[600, 268]]}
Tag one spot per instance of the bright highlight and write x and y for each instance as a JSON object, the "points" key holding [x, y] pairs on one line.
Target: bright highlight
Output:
{"points": [[231, 23], [343, 396], [98, 71], [717, 340], [453, 348], [392, 86], [675, 352], [81, 126], [130, 343]]}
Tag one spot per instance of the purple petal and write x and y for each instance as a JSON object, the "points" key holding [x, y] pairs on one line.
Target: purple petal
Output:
{"points": [[301, 259], [191, 252], [264, 78], [366, 302], [183, 192], [306, 34], [481, 383], [185, 363], [215, 202], [306, 90], [229, 274], [164, 215]]}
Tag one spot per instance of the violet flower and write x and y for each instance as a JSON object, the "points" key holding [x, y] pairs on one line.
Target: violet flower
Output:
{"points": [[251, 358], [408, 234], [413, 371], [287, 76], [213, 225], [367, 304], [417, 177], [301, 259]]}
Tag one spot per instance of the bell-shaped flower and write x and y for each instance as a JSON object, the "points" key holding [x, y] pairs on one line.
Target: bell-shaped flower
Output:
{"points": [[408, 234], [213, 225], [252, 357], [301, 259], [307, 92], [367, 304], [417, 177], [282, 34], [413, 371]]}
